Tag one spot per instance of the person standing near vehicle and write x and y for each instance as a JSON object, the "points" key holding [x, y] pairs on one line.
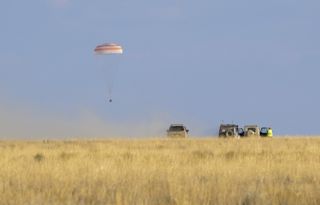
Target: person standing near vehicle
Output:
{"points": [[269, 133]]}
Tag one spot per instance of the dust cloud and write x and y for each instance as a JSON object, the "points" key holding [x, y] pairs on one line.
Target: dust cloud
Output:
{"points": [[28, 123]]}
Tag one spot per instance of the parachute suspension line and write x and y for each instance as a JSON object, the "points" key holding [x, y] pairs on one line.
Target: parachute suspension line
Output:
{"points": [[110, 89], [111, 73]]}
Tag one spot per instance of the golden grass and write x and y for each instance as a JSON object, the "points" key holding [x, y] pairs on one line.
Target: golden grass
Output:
{"points": [[160, 171]]}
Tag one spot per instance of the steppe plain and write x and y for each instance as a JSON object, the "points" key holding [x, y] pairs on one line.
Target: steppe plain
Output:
{"points": [[282, 170]]}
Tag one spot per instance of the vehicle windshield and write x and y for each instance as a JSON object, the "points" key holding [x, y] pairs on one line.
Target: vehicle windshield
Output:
{"points": [[176, 128], [228, 127]]}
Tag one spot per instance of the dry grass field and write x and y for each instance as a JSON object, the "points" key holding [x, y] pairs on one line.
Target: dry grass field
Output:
{"points": [[160, 171]]}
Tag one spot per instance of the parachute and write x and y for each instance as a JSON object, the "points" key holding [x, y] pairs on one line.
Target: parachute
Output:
{"points": [[108, 48], [106, 55]]}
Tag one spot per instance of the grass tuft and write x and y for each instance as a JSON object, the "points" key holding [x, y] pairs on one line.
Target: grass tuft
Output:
{"points": [[38, 157]]}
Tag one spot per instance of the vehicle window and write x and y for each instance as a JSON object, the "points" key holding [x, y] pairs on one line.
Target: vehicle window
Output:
{"points": [[264, 130], [176, 128], [240, 130]]}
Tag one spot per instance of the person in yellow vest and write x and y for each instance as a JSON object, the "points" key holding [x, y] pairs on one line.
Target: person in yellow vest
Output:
{"points": [[269, 133]]}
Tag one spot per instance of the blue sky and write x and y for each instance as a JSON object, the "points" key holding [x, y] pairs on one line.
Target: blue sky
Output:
{"points": [[194, 62]]}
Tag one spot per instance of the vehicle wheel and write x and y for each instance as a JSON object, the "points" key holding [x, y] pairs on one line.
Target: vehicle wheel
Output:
{"points": [[229, 133]]}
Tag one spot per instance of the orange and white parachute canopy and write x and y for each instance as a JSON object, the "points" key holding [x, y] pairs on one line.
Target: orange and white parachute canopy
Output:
{"points": [[108, 48]]}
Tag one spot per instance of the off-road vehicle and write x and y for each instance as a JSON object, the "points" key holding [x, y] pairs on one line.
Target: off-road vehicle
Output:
{"points": [[251, 131], [177, 131], [230, 130], [264, 131]]}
